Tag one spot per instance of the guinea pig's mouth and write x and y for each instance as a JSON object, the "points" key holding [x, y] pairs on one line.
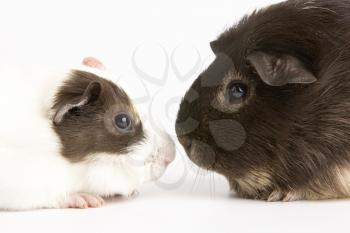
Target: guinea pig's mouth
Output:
{"points": [[200, 153], [185, 142]]}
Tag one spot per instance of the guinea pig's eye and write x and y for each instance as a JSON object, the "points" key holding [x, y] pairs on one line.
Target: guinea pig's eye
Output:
{"points": [[237, 91], [123, 122]]}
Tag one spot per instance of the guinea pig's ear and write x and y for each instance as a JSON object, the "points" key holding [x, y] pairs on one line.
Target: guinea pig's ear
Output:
{"points": [[279, 71], [91, 94], [94, 63]]}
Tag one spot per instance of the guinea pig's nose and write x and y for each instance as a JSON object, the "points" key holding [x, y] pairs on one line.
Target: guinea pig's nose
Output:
{"points": [[188, 114], [202, 154]]}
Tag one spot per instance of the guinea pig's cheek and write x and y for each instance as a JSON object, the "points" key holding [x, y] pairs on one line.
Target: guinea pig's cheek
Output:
{"points": [[202, 154], [228, 134], [222, 104], [140, 155], [151, 157]]}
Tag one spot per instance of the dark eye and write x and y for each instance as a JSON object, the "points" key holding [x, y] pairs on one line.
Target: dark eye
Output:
{"points": [[123, 121], [237, 91]]}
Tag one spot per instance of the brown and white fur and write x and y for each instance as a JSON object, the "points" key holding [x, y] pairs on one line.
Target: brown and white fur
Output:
{"points": [[40, 164]]}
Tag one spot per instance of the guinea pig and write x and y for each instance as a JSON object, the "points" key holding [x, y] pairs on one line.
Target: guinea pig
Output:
{"points": [[71, 138], [272, 112]]}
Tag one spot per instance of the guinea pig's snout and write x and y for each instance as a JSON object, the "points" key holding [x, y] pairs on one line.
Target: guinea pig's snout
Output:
{"points": [[188, 114], [186, 142], [163, 155], [166, 152], [202, 154], [183, 131]]}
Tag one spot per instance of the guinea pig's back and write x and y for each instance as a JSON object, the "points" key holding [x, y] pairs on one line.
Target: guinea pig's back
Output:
{"points": [[26, 95], [32, 172]]}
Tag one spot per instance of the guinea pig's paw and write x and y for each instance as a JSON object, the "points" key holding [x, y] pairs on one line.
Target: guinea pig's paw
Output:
{"points": [[133, 194], [275, 196], [291, 196], [285, 196], [84, 201]]}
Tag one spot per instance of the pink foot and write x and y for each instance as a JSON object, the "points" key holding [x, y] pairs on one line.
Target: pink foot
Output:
{"points": [[84, 201]]}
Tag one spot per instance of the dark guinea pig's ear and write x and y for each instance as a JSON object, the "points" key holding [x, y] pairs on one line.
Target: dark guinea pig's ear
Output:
{"points": [[281, 70], [91, 94]]}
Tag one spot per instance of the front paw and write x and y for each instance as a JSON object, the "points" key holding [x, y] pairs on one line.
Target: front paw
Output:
{"points": [[285, 196], [83, 201], [133, 194]]}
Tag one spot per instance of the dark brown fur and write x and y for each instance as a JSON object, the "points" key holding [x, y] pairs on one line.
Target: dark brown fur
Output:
{"points": [[297, 136], [88, 129]]}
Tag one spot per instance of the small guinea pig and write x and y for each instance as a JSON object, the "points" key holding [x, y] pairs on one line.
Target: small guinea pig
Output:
{"points": [[272, 112], [69, 139]]}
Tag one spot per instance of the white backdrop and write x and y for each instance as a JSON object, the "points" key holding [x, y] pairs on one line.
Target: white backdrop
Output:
{"points": [[159, 46]]}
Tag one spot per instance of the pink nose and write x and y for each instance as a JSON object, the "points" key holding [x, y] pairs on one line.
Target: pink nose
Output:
{"points": [[168, 161]]}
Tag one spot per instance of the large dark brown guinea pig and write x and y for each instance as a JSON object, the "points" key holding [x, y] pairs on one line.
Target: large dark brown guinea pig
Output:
{"points": [[272, 112]]}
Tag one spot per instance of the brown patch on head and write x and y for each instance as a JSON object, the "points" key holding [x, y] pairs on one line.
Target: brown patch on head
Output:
{"points": [[93, 115]]}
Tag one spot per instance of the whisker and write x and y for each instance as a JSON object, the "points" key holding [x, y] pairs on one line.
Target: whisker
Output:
{"points": [[195, 181], [213, 181], [200, 177], [210, 183]]}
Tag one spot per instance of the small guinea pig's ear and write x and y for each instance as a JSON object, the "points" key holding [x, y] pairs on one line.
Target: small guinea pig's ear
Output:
{"points": [[94, 63], [279, 71], [91, 94]]}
